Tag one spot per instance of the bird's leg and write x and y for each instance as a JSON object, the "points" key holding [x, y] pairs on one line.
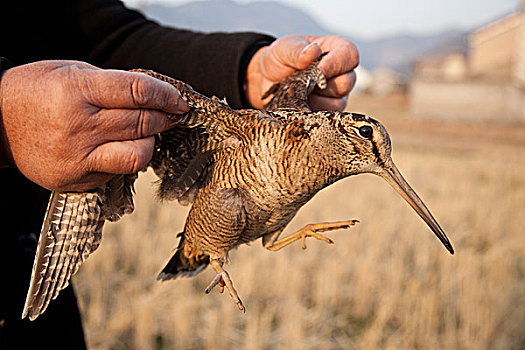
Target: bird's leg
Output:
{"points": [[311, 230], [223, 280]]}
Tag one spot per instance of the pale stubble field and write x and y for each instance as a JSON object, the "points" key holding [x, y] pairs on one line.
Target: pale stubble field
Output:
{"points": [[386, 283]]}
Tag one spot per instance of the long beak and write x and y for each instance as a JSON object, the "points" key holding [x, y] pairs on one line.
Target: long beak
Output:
{"points": [[396, 180]]}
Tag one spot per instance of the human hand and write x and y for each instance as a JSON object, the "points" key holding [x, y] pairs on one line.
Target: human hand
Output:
{"points": [[70, 126], [287, 55]]}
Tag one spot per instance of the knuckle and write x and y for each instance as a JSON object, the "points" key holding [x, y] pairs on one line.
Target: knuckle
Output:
{"points": [[342, 85], [135, 161], [354, 54], [96, 160], [143, 123], [138, 159], [149, 92], [167, 99], [140, 90]]}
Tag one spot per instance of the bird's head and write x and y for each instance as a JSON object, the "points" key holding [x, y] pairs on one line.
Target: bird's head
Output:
{"points": [[364, 145]]}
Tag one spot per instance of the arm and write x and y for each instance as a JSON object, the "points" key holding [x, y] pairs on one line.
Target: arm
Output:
{"points": [[238, 66], [108, 35], [213, 64], [113, 36], [47, 128]]}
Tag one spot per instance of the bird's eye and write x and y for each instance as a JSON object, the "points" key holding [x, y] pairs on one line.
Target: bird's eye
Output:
{"points": [[365, 132]]}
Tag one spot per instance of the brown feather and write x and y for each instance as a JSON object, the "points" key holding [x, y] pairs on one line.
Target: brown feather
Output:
{"points": [[69, 217]]}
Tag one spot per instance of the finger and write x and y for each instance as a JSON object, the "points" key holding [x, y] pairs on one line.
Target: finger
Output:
{"points": [[121, 157], [339, 86], [130, 124], [342, 58], [323, 103], [307, 55], [120, 89], [295, 52]]}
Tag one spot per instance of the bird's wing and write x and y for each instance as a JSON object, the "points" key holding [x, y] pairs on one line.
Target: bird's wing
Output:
{"points": [[292, 93], [72, 230], [119, 193], [180, 160], [184, 154]]}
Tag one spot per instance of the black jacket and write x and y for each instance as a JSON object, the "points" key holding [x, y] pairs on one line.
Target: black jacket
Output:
{"points": [[106, 34]]}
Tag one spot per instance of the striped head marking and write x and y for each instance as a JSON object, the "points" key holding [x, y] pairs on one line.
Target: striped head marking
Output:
{"points": [[367, 142], [369, 152]]}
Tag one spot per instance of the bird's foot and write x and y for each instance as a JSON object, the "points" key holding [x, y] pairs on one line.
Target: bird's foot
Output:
{"points": [[223, 280], [311, 230]]}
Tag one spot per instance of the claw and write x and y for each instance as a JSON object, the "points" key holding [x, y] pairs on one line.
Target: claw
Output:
{"points": [[311, 233], [223, 280], [218, 280]]}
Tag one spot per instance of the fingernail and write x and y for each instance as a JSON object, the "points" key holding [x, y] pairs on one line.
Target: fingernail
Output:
{"points": [[307, 47]]}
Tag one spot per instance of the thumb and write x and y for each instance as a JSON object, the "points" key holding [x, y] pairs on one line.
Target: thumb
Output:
{"points": [[296, 52], [122, 157], [307, 55]]}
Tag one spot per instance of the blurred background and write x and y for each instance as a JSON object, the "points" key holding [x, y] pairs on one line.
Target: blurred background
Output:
{"points": [[447, 79]]}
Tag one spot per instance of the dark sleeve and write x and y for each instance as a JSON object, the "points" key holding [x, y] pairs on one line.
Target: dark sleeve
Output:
{"points": [[4, 65], [214, 64], [22, 208]]}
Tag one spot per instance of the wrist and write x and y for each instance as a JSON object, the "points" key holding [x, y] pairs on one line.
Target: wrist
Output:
{"points": [[251, 87], [249, 69]]}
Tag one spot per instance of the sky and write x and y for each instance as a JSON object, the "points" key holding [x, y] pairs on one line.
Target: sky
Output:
{"points": [[371, 19]]}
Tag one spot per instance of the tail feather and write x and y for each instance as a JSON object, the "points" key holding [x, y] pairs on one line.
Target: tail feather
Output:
{"points": [[186, 262]]}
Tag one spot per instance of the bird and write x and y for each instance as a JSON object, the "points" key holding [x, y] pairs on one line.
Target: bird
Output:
{"points": [[245, 173]]}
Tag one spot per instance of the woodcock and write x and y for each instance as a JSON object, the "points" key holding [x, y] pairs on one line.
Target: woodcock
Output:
{"points": [[246, 174]]}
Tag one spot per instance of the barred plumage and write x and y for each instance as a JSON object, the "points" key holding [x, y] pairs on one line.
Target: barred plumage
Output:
{"points": [[246, 174], [72, 230]]}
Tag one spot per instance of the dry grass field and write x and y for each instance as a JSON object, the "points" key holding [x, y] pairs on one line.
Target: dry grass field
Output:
{"points": [[386, 283]]}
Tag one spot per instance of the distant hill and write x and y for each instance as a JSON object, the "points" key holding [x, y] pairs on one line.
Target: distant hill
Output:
{"points": [[400, 51], [397, 52], [229, 16]]}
